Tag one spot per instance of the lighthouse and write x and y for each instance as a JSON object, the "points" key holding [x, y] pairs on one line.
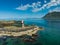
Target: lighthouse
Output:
{"points": [[22, 22]]}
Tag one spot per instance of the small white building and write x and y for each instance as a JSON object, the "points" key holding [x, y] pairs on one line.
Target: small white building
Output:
{"points": [[22, 22]]}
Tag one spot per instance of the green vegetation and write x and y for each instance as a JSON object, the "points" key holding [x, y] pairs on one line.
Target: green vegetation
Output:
{"points": [[52, 15], [10, 23]]}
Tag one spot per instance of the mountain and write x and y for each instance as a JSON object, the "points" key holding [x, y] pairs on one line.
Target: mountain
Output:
{"points": [[52, 15]]}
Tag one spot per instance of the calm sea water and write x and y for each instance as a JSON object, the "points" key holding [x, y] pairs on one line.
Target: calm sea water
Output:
{"points": [[49, 36], [51, 33]]}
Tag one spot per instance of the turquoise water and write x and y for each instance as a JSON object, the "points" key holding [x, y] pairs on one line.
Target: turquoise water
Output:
{"points": [[51, 33], [49, 36]]}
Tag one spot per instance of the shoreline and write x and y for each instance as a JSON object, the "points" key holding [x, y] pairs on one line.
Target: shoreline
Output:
{"points": [[20, 32]]}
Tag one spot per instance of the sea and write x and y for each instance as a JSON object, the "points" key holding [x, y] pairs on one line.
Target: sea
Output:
{"points": [[49, 36]]}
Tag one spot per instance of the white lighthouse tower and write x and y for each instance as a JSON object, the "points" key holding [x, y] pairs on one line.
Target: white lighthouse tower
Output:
{"points": [[22, 22]]}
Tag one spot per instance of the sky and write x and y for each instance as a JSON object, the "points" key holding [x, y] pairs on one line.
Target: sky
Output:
{"points": [[10, 9]]}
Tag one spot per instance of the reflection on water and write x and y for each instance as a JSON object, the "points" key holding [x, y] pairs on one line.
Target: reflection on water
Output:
{"points": [[49, 36]]}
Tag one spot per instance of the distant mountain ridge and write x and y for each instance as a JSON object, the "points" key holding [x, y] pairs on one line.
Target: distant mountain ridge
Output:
{"points": [[52, 15]]}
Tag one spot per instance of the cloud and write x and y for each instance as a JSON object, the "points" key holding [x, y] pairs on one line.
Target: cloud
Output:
{"points": [[45, 1], [57, 9], [38, 7], [48, 5], [25, 7], [53, 3]]}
